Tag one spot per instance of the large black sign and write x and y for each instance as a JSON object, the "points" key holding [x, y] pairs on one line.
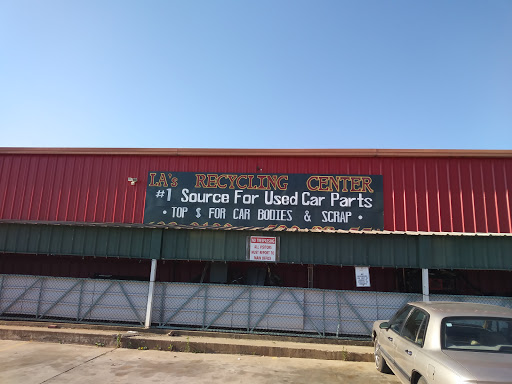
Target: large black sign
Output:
{"points": [[265, 200]]}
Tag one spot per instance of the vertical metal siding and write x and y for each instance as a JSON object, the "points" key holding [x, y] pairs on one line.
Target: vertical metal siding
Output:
{"points": [[390, 250], [139, 243], [420, 194]]}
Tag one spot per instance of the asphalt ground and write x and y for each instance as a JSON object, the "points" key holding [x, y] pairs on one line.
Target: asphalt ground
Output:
{"points": [[30, 362]]}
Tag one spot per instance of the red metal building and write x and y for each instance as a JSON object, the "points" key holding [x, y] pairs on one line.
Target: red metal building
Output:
{"points": [[423, 191], [432, 191]]}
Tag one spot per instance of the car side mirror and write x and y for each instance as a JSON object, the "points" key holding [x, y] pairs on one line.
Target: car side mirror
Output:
{"points": [[384, 325]]}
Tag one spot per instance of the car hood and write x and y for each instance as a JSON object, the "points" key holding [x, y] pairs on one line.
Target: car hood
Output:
{"points": [[486, 367]]}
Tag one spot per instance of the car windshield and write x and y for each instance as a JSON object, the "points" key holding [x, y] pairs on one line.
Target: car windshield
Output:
{"points": [[478, 334]]}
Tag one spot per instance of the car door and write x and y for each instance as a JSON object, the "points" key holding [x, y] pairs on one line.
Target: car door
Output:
{"points": [[408, 346], [389, 336]]}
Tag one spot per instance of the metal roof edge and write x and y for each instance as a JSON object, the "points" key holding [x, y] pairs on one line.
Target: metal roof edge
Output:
{"points": [[265, 229], [258, 152]]}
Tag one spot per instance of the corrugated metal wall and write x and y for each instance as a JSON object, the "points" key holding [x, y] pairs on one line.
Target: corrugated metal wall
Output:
{"points": [[139, 243], [468, 282], [421, 193], [376, 250], [72, 266]]}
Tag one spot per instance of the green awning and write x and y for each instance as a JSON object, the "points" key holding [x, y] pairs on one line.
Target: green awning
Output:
{"points": [[434, 251], [75, 240]]}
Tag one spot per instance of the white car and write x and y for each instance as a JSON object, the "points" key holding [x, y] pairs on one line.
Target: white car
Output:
{"points": [[446, 342]]}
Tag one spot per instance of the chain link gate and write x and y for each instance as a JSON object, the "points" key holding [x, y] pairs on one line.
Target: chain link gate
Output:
{"points": [[272, 310], [70, 299], [231, 308]]}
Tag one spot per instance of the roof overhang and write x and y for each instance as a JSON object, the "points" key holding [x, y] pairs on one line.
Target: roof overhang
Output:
{"points": [[330, 152], [374, 249], [262, 229]]}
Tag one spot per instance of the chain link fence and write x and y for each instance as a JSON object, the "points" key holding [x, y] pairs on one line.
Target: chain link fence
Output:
{"points": [[69, 299], [493, 300], [232, 308]]}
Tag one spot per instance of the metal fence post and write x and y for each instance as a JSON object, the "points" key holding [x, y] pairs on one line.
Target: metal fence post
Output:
{"points": [[162, 303], [249, 310], [1, 286], [149, 307], [323, 310], [40, 296], [80, 300], [205, 306], [424, 278]]}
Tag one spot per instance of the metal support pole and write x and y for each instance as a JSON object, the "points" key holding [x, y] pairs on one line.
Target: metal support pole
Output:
{"points": [[149, 308], [310, 276], [424, 279]]}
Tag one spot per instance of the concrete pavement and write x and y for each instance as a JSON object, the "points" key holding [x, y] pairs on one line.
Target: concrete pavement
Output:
{"points": [[187, 341], [25, 362]]}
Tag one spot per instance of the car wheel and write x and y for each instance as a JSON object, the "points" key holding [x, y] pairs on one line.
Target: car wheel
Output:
{"points": [[380, 362], [422, 380]]}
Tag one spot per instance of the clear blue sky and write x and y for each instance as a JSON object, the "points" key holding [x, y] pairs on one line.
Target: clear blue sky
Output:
{"points": [[256, 74]]}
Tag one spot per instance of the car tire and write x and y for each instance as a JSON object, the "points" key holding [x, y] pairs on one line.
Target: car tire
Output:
{"points": [[380, 362], [422, 380]]}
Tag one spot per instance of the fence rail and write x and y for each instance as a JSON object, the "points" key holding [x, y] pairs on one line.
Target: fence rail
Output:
{"points": [[247, 309]]}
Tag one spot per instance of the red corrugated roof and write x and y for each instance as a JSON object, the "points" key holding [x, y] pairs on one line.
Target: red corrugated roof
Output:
{"points": [[260, 152]]}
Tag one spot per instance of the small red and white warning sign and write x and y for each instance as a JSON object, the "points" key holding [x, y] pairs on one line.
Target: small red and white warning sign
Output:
{"points": [[262, 248]]}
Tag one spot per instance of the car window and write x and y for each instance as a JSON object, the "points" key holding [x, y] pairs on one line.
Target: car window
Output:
{"points": [[415, 327], [420, 337], [397, 321], [477, 334]]}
